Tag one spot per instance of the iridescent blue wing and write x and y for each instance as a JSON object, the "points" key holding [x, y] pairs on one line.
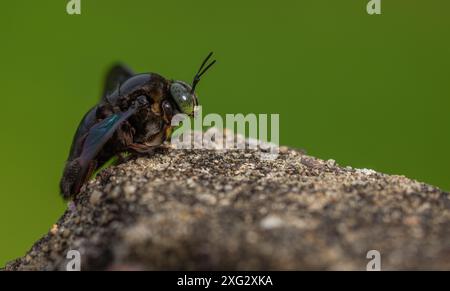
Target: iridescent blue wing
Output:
{"points": [[100, 133], [77, 171]]}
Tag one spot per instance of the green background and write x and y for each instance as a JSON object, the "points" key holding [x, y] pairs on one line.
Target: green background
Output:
{"points": [[367, 91]]}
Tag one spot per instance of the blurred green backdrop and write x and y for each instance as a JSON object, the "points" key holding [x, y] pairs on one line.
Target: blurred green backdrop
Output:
{"points": [[368, 91]]}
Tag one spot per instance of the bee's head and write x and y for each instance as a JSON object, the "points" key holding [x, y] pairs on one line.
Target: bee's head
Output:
{"points": [[184, 95]]}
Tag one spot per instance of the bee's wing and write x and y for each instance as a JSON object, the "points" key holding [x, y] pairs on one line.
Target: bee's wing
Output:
{"points": [[78, 170], [116, 75], [101, 132]]}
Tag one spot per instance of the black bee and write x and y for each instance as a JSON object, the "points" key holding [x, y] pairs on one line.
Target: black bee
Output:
{"points": [[134, 115]]}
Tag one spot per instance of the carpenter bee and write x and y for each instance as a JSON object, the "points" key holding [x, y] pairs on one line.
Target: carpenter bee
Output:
{"points": [[134, 115]]}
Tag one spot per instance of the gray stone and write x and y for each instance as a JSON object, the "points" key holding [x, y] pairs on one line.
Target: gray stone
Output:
{"points": [[230, 210]]}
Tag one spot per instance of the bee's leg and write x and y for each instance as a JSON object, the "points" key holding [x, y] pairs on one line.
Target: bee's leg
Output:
{"points": [[90, 171], [124, 137], [125, 134], [141, 148], [148, 147], [123, 157]]}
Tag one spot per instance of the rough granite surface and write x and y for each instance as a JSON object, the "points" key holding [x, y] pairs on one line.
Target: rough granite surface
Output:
{"points": [[232, 210]]}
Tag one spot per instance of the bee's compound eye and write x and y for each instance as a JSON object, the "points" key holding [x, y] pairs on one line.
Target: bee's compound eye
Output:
{"points": [[182, 97]]}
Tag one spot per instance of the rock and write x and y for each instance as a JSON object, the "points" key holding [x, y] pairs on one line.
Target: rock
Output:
{"points": [[94, 198], [231, 210], [271, 222]]}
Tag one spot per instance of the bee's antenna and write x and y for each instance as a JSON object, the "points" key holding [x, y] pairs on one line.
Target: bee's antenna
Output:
{"points": [[201, 71]]}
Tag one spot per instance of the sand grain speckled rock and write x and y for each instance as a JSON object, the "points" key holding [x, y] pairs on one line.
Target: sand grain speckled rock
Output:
{"points": [[230, 210]]}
